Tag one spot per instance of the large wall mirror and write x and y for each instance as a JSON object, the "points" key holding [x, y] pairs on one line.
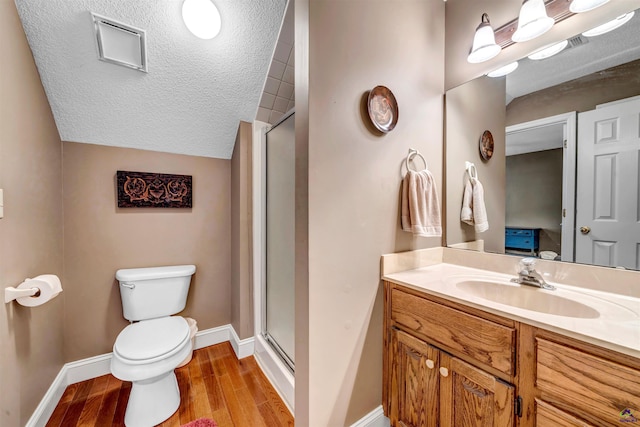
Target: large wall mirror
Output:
{"points": [[564, 179]]}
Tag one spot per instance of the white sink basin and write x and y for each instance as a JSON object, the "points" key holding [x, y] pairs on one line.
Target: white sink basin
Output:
{"points": [[559, 302]]}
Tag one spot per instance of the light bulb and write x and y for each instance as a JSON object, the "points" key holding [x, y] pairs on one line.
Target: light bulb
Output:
{"points": [[503, 71], [532, 21], [549, 51], [201, 18]]}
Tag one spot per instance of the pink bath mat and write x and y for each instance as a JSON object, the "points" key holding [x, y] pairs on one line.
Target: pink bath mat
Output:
{"points": [[202, 422]]}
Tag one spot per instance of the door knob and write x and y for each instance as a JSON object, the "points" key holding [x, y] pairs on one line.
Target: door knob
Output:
{"points": [[585, 230]]}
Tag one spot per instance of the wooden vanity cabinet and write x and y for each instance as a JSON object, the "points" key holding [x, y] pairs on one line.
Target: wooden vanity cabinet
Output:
{"points": [[431, 388], [447, 364], [585, 384], [428, 386]]}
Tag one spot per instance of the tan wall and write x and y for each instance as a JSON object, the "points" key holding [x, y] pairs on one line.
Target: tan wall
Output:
{"points": [[101, 238], [582, 94], [471, 109], [241, 228], [354, 179], [31, 230], [463, 17], [534, 194]]}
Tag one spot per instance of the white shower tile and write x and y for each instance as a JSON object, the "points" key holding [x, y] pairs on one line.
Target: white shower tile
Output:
{"points": [[267, 100], [277, 69], [285, 91], [271, 86]]}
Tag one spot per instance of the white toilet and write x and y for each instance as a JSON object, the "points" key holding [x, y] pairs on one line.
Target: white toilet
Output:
{"points": [[146, 352]]}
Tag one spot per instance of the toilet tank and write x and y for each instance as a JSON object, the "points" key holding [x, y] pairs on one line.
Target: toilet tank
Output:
{"points": [[147, 293]]}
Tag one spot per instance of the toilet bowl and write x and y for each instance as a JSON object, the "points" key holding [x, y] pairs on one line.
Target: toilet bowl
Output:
{"points": [[147, 351]]}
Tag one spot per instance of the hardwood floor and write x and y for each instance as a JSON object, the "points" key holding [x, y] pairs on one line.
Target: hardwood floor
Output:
{"points": [[215, 384]]}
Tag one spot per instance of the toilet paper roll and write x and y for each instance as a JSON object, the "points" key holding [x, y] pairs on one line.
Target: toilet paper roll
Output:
{"points": [[49, 286]]}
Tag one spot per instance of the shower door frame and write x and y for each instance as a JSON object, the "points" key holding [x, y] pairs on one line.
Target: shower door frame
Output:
{"points": [[269, 359], [263, 330]]}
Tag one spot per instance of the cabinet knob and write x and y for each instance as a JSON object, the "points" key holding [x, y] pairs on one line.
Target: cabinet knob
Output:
{"points": [[430, 364], [444, 372]]}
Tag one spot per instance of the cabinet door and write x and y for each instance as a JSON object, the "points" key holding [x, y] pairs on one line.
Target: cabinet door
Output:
{"points": [[414, 382], [549, 416], [470, 397]]}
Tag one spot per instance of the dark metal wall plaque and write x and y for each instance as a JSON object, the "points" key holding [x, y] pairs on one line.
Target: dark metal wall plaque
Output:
{"points": [[153, 190]]}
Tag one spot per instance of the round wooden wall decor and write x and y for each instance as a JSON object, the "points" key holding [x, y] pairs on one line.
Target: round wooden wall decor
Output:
{"points": [[486, 145], [382, 108]]}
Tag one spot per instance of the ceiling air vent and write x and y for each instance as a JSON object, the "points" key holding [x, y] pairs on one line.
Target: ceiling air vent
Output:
{"points": [[120, 44], [576, 41]]}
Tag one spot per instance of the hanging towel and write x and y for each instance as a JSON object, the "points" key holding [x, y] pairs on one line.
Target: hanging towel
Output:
{"points": [[420, 210], [473, 210]]}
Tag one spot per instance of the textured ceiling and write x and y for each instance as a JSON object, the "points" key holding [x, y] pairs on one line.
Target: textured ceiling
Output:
{"points": [[192, 98], [598, 53]]}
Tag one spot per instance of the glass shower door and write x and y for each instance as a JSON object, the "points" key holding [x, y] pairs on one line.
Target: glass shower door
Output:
{"points": [[280, 244]]}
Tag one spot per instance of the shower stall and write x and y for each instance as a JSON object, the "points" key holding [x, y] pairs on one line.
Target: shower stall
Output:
{"points": [[274, 256]]}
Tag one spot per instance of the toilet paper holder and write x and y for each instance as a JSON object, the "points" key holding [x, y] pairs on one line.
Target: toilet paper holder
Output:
{"points": [[41, 288], [12, 293]]}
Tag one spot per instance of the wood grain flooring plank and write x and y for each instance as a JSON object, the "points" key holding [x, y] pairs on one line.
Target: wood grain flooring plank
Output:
{"points": [[274, 400], [214, 392], [234, 373], [235, 407], [186, 410], [251, 411], [107, 409], [173, 420], [217, 362], [82, 391], [200, 399], [55, 420], [121, 406], [255, 387], [72, 415], [269, 416], [99, 385], [69, 392], [89, 411], [206, 364], [223, 418]]}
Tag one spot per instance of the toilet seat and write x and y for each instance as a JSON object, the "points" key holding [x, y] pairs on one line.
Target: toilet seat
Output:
{"points": [[152, 340]]}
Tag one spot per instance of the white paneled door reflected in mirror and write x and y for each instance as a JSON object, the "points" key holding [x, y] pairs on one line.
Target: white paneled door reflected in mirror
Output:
{"points": [[569, 174]]}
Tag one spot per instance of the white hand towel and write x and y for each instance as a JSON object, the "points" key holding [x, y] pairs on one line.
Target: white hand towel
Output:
{"points": [[466, 214], [479, 210], [474, 211], [420, 210]]}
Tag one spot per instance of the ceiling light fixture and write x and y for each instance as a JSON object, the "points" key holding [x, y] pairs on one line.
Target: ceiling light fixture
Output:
{"points": [[579, 6], [484, 42], [201, 18], [609, 26], [503, 71], [533, 21], [549, 51]]}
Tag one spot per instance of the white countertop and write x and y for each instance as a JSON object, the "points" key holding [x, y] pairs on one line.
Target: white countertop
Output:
{"points": [[613, 321]]}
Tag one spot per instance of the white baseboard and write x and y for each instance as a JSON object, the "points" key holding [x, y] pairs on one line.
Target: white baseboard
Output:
{"points": [[93, 367], [242, 348], [374, 418]]}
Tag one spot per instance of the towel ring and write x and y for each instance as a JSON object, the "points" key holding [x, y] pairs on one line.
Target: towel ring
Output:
{"points": [[411, 155], [471, 170]]}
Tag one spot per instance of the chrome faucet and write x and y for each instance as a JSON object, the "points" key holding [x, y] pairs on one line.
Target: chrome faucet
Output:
{"points": [[529, 276]]}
